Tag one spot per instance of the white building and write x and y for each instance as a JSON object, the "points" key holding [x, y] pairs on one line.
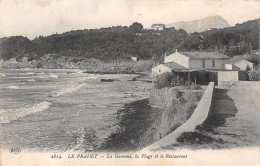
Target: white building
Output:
{"points": [[166, 67], [191, 61], [198, 60], [158, 27], [134, 58], [240, 64]]}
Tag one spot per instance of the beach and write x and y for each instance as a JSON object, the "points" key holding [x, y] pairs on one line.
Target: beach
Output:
{"points": [[63, 109]]}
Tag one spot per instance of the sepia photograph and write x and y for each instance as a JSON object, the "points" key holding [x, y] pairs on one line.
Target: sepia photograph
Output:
{"points": [[129, 82]]}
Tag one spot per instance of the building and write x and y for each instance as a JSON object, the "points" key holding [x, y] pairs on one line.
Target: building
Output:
{"points": [[167, 67], [198, 60], [158, 27], [257, 52], [225, 77], [134, 58], [238, 64], [201, 67]]}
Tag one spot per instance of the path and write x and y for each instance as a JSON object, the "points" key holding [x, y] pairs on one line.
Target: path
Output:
{"points": [[234, 120]]}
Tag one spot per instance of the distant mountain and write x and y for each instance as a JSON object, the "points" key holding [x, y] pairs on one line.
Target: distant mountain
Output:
{"points": [[200, 25]]}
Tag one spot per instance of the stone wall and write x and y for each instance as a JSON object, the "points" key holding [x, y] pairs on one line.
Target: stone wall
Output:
{"points": [[198, 117]]}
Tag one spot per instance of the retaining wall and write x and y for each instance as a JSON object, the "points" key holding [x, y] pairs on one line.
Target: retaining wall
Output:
{"points": [[198, 117]]}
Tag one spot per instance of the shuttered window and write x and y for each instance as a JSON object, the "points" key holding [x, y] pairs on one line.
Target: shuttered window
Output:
{"points": [[213, 63], [203, 63]]}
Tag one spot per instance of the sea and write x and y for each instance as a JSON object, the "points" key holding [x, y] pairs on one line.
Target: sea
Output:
{"points": [[62, 109]]}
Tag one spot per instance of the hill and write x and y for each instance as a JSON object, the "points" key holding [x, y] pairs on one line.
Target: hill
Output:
{"points": [[200, 25], [119, 42]]}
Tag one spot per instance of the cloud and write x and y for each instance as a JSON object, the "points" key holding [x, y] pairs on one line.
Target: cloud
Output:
{"points": [[43, 3], [43, 17]]}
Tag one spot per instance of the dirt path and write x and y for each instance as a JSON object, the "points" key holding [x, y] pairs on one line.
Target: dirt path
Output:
{"points": [[234, 120]]}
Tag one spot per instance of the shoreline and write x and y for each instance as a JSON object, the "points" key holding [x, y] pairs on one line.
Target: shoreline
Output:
{"points": [[138, 127]]}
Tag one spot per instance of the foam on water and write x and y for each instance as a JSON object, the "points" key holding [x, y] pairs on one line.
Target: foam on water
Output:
{"points": [[6, 116], [80, 132], [53, 76], [12, 87], [67, 90], [31, 80], [30, 73], [48, 76]]}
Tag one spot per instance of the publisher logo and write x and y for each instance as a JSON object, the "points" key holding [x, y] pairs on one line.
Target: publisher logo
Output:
{"points": [[15, 150]]}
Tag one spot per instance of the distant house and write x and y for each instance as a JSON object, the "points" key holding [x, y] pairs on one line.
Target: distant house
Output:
{"points": [[238, 64], [134, 58], [158, 27]]}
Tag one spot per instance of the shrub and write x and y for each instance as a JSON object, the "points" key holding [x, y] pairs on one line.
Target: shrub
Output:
{"points": [[194, 86], [163, 80], [254, 75], [177, 81], [254, 58], [171, 80]]}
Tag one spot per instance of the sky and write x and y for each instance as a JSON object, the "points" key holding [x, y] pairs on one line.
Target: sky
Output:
{"points": [[32, 18]]}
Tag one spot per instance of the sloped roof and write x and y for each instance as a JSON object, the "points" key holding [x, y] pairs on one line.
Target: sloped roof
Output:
{"points": [[174, 66], [206, 55], [233, 61]]}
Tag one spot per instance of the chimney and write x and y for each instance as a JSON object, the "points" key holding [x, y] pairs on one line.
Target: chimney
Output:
{"points": [[176, 50], [164, 54]]}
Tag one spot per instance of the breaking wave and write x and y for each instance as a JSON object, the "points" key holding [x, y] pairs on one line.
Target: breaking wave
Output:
{"points": [[80, 133], [6, 116], [31, 80], [48, 76], [67, 90], [12, 87]]}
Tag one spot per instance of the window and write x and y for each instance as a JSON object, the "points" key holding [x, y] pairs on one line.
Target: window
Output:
{"points": [[213, 63], [203, 63], [159, 71]]}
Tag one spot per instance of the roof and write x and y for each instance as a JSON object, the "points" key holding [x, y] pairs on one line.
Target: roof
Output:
{"points": [[232, 61], [158, 25], [206, 55], [174, 66]]}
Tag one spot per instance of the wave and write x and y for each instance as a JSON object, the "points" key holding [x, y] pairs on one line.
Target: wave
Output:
{"points": [[80, 132], [53, 76], [30, 73], [48, 76], [6, 116], [12, 87], [67, 90], [31, 80]]}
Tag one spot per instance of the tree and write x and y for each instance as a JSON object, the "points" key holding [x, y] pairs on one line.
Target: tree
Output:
{"points": [[136, 27]]}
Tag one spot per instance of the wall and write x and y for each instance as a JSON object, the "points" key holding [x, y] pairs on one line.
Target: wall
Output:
{"points": [[177, 58], [160, 69], [225, 77], [198, 117], [177, 106], [197, 64], [230, 67]]}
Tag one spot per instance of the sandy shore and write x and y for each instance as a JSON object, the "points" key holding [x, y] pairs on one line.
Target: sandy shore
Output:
{"points": [[139, 123]]}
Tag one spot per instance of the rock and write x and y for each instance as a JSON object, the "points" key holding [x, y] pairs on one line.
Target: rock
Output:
{"points": [[106, 80]]}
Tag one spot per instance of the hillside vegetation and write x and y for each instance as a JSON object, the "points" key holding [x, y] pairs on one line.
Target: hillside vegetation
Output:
{"points": [[123, 42]]}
